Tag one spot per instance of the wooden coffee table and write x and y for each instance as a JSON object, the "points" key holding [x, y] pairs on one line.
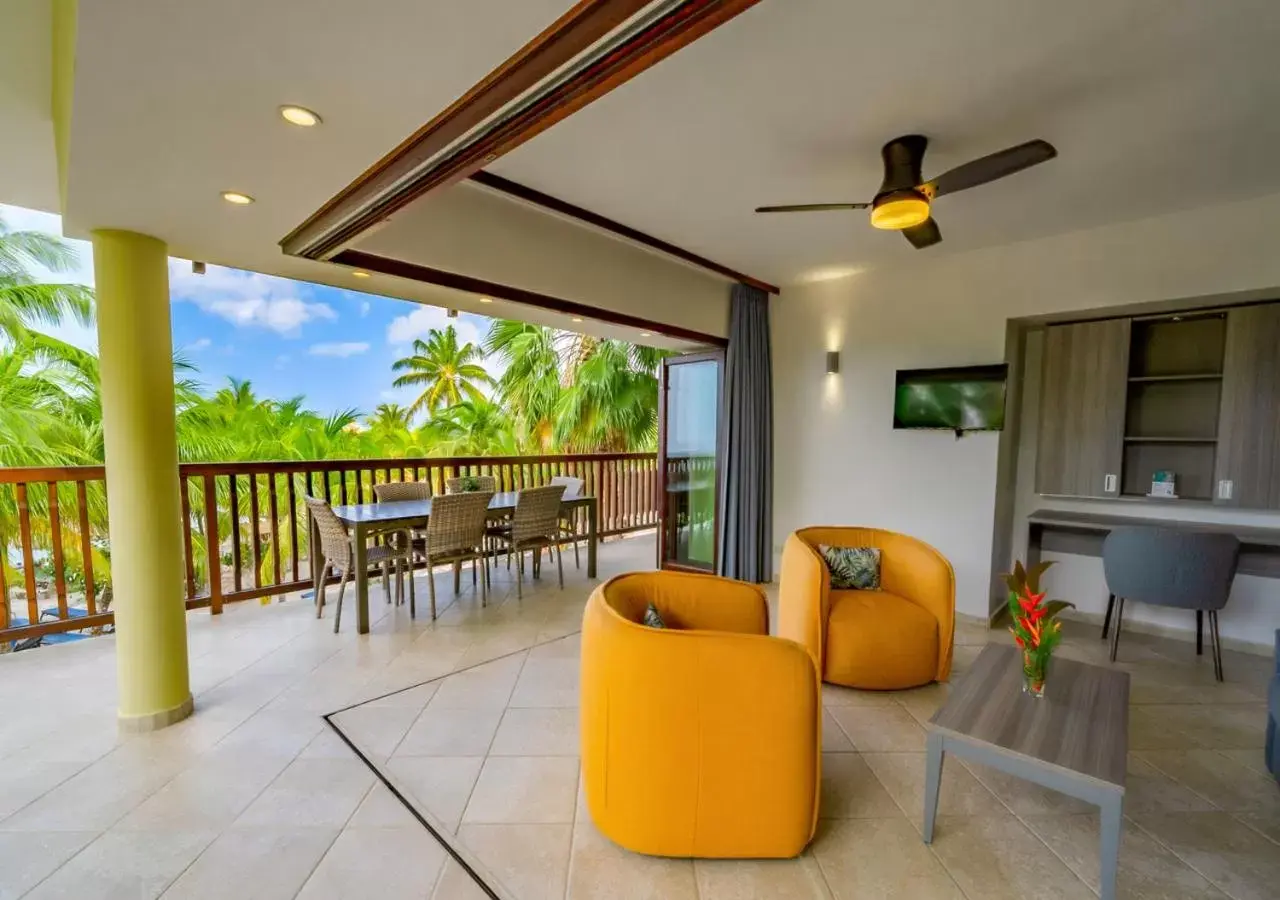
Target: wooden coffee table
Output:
{"points": [[1074, 739]]}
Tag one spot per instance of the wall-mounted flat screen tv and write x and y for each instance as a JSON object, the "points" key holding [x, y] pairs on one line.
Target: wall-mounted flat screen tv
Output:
{"points": [[970, 398]]}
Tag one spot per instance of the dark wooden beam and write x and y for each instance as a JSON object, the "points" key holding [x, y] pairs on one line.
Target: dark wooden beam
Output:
{"points": [[401, 177], [565, 208], [386, 265]]}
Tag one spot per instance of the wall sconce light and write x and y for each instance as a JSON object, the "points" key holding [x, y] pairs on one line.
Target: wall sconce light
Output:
{"points": [[833, 362], [197, 267], [451, 313]]}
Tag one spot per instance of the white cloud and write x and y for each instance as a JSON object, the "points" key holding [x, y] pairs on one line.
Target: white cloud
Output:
{"points": [[281, 362], [246, 299], [365, 306], [199, 344], [348, 348], [403, 330]]}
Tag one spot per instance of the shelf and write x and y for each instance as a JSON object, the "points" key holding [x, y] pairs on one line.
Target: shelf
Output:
{"points": [[1149, 379], [1142, 439]]}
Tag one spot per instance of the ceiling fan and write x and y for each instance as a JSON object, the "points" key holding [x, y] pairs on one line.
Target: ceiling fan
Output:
{"points": [[903, 201]]}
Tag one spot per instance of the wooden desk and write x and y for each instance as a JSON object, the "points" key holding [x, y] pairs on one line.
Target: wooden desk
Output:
{"points": [[1061, 531]]}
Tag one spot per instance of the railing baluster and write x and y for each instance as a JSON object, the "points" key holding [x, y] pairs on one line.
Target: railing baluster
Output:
{"points": [[211, 541], [28, 562], [184, 492], [236, 562], [275, 528], [55, 541], [328, 496], [293, 529], [4, 585], [86, 551], [255, 530]]}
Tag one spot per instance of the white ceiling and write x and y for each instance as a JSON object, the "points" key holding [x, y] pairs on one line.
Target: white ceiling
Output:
{"points": [[28, 164], [1154, 105]]}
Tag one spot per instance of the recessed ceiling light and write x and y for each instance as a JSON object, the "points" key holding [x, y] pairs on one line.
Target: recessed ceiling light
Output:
{"points": [[645, 334], [576, 319], [486, 299], [359, 273], [299, 115], [237, 198]]}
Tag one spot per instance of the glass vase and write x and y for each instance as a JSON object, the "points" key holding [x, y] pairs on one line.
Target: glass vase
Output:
{"points": [[1033, 674]]}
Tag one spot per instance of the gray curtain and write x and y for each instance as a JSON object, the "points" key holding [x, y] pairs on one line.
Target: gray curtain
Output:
{"points": [[746, 441]]}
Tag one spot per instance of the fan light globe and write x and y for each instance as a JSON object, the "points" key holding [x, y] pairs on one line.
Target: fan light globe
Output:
{"points": [[898, 210]]}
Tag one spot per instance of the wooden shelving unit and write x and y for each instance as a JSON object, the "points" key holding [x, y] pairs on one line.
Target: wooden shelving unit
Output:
{"points": [[1172, 409]]}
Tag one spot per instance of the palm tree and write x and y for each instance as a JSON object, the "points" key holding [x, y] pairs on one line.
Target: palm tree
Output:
{"points": [[611, 403], [531, 382], [23, 302], [476, 428], [447, 372]]}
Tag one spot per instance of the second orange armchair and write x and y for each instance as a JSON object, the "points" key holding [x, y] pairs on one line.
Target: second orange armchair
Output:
{"points": [[898, 637]]}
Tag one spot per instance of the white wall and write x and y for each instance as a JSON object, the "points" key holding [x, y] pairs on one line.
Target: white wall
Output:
{"points": [[838, 460]]}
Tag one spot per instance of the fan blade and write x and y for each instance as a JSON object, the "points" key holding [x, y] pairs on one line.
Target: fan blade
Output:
{"points": [[811, 207], [926, 234], [990, 168]]}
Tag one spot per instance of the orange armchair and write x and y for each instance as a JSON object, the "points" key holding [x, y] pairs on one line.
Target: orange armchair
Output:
{"points": [[898, 637], [702, 739]]}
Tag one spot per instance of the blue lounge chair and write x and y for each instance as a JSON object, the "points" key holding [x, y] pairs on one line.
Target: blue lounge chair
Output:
{"points": [[1273, 717]]}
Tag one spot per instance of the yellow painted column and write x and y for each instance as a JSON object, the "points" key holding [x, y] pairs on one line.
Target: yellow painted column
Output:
{"points": [[135, 348]]}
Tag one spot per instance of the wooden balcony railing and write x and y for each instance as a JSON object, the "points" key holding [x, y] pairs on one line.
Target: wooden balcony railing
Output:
{"points": [[244, 525]]}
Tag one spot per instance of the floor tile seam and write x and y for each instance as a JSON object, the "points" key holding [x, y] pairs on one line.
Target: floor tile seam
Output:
{"points": [[1140, 754], [436, 835], [1168, 848]]}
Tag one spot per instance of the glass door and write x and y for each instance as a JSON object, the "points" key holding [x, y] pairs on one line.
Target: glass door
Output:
{"points": [[688, 439]]}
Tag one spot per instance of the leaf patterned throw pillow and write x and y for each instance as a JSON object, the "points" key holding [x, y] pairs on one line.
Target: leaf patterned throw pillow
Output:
{"points": [[653, 618], [853, 568]]}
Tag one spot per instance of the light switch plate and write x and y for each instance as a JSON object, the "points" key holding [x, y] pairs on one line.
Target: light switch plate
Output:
{"points": [[1225, 489]]}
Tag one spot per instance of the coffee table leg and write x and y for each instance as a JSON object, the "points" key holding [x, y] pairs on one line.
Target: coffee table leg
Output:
{"points": [[1112, 817], [932, 780]]}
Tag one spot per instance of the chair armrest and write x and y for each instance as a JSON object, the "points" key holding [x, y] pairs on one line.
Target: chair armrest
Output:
{"points": [[916, 571], [699, 743], [803, 598]]}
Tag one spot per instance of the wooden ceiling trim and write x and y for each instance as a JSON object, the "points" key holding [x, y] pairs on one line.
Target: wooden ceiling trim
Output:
{"points": [[401, 177], [387, 265], [572, 211]]}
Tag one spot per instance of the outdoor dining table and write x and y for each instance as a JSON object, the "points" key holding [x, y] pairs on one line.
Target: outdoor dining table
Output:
{"points": [[365, 520]]}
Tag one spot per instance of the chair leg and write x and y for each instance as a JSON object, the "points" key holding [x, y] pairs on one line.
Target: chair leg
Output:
{"points": [[484, 583], [457, 578], [1106, 622], [1216, 638], [342, 587], [577, 563], [413, 609], [1199, 632], [1115, 635], [319, 598], [474, 575], [519, 574], [431, 587], [386, 583], [560, 564]]}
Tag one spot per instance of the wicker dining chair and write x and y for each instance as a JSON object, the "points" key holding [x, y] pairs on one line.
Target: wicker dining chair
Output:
{"points": [[339, 555], [568, 517], [399, 491], [483, 483], [456, 533], [534, 525]]}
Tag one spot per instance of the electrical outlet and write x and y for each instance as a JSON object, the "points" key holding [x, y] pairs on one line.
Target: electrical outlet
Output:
{"points": [[1225, 489], [1109, 484]]}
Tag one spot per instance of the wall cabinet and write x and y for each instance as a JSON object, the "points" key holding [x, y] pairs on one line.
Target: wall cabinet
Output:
{"points": [[1082, 409], [1248, 463], [1195, 394]]}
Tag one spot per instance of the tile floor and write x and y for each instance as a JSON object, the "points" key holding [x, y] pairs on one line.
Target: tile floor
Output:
{"points": [[256, 796]]}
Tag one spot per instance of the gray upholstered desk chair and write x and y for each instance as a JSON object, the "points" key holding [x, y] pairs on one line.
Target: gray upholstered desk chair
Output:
{"points": [[1170, 567]]}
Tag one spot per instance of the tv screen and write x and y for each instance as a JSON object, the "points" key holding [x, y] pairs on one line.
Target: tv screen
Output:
{"points": [[961, 399]]}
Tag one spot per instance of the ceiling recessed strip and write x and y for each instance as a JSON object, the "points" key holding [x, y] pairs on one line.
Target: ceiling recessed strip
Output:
{"points": [[592, 49]]}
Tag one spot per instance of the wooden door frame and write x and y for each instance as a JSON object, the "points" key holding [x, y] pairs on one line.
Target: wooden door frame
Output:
{"points": [[716, 355]]}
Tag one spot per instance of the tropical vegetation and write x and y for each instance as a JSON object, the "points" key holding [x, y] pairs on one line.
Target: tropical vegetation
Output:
{"points": [[557, 392]]}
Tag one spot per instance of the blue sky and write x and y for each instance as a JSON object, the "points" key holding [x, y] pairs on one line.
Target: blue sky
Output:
{"points": [[286, 337]]}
